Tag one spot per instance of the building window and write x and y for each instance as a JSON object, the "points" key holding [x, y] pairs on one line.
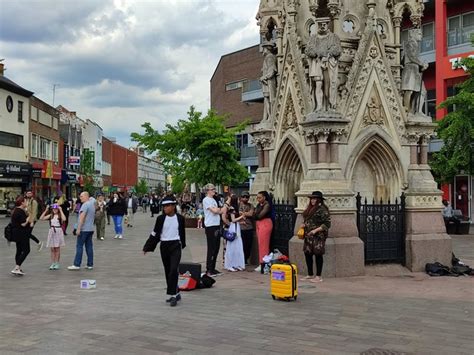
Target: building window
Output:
{"points": [[428, 39], [34, 145], [430, 104], [45, 148], [20, 111], [55, 152], [460, 29], [452, 91], [11, 140], [234, 85]]}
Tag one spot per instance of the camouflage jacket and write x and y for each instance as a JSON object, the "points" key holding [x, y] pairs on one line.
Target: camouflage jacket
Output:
{"points": [[319, 218]]}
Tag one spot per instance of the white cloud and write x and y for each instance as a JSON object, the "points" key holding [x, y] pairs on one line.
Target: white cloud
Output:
{"points": [[122, 63]]}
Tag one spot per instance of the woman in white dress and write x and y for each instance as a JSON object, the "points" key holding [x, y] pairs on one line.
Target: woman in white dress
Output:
{"points": [[56, 217], [234, 254]]}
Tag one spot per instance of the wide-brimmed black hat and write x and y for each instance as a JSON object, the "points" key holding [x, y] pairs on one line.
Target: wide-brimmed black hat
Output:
{"points": [[168, 200], [317, 194]]}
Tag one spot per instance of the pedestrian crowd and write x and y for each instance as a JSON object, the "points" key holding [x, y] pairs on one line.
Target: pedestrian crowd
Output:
{"points": [[233, 216]]}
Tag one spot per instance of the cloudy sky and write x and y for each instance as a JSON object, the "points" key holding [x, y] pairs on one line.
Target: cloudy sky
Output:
{"points": [[122, 62]]}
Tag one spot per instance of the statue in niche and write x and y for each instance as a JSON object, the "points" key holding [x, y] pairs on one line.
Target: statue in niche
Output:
{"points": [[323, 50], [372, 114], [268, 79], [413, 68]]}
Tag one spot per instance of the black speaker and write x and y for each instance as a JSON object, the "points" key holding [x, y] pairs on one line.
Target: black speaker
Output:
{"points": [[193, 268]]}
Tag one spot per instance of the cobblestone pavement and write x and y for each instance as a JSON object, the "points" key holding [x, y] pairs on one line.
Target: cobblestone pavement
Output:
{"points": [[46, 312]]}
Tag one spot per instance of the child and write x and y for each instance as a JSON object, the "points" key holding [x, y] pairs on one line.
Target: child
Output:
{"points": [[170, 230], [55, 234]]}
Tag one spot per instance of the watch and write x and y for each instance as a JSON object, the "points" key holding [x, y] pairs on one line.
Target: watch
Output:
{"points": [[9, 103]]}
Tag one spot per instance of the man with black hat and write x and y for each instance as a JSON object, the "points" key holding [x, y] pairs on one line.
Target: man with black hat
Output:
{"points": [[246, 225], [170, 230]]}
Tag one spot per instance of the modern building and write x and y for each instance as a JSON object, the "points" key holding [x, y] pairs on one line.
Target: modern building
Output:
{"points": [[448, 26], [151, 170], [15, 170], [44, 149], [92, 144], [236, 92], [70, 130]]}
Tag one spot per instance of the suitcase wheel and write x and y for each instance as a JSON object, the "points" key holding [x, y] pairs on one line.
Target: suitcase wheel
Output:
{"points": [[296, 297], [287, 299], [273, 297]]}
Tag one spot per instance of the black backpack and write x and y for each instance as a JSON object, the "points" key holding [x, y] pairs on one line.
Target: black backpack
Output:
{"points": [[438, 269], [8, 232]]}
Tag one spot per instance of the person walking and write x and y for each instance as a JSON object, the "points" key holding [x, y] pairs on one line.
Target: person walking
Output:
{"points": [[170, 230], [154, 205], [20, 234], [316, 223], [56, 217], [85, 230], [145, 203], [264, 226], [117, 208], [234, 254], [132, 205], [212, 223], [100, 217], [107, 200], [65, 207], [32, 211], [246, 225]]}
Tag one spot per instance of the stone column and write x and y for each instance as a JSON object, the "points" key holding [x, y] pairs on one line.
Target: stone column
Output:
{"points": [[261, 159], [335, 11], [423, 150], [323, 146]]}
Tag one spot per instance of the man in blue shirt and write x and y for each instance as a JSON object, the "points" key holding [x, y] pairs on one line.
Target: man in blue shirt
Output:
{"points": [[85, 230]]}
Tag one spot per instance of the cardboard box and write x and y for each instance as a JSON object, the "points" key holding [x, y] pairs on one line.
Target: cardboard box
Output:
{"points": [[88, 284]]}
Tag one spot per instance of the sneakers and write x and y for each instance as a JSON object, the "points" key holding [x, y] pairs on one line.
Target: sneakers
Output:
{"points": [[56, 266], [17, 272], [258, 269], [73, 267], [101, 238], [211, 274], [116, 236], [40, 246], [89, 267], [52, 266], [217, 272], [120, 236], [231, 269], [173, 301]]}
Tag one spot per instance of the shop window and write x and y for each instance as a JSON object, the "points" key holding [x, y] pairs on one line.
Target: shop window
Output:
{"points": [[11, 140], [20, 111], [34, 145]]}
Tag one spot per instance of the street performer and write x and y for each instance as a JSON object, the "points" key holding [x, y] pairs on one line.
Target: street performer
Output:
{"points": [[170, 230]]}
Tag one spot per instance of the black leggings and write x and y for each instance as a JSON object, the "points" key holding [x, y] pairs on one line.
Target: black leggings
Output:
{"points": [[309, 264], [32, 237], [22, 250]]}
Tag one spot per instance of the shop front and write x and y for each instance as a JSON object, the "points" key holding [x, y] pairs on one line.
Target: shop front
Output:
{"points": [[70, 184], [46, 180], [14, 180]]}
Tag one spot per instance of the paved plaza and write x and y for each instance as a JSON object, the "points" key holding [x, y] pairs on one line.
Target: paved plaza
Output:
{"points": [[46, 312]]}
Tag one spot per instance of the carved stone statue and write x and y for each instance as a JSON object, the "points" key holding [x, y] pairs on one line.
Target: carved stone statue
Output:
{"points": [[323, 51], [372, 114], [412, 71], [268, 79]]}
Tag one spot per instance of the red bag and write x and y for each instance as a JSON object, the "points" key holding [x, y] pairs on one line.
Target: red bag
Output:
{"points": [[186, 282]]}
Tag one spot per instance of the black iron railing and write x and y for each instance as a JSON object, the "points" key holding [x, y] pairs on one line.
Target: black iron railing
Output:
{"points": [[285, 218]]}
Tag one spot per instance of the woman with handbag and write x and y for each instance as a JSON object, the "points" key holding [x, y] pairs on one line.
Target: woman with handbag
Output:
{"points": [[317, 222], [20, 234], [234, 253]]}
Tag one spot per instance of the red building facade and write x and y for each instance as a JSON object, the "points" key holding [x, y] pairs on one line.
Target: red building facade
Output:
{"points": [[124, 167]]}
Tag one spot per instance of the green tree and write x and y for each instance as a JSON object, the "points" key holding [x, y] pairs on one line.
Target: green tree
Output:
{"points": [[199, 149], [87, 170], [142, 187], [456, 130]]}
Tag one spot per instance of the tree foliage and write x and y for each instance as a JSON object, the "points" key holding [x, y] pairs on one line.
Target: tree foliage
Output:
{"points": [[199, 149], [141, 188], [456, 130]]}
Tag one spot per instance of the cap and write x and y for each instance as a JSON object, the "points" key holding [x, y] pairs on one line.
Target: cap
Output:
{"points": [[168, 200], [55, 206]]}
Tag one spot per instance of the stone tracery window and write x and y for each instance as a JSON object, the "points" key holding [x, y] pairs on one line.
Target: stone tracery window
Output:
{"points": [[348, 26]]}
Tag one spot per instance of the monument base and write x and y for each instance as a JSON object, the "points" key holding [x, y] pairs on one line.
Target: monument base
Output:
{"points": [[426, 240]]}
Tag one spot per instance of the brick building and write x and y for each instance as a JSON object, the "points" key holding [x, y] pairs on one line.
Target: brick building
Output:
{"points": [[44, 149], [106, 163], [236, 91], [124, 167]]}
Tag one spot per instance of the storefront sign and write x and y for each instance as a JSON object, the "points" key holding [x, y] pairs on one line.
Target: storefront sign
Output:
{"points": [[74, 160], [49, 170], [36, 173], [14, 180], [72, 177], [456, 62], [14, 168]]}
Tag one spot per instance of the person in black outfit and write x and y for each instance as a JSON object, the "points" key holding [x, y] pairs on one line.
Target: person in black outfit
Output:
{"points": [[170, 230], [21, 234], [155, 205], [65, 207], [117, 208]]}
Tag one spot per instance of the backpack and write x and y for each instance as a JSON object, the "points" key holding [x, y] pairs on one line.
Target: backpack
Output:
{"points": [[8, 232], [438, 269]]}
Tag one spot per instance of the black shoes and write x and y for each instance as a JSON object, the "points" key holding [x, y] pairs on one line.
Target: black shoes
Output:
{"points": [[173, 301]]}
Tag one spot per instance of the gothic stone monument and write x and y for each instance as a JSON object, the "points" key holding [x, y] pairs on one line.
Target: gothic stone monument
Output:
{"points": [[345, 119]]}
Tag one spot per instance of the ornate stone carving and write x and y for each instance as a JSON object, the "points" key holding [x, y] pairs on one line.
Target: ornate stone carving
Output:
{"points": [[373, 113], [323, 50], [289, 118]]}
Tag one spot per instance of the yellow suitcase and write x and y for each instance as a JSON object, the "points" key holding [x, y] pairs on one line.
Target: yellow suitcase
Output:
{"points": [[284, 281]]}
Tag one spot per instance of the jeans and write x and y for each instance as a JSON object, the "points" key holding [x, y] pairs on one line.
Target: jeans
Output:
{"points": [[213, 245], [84, 238], [118, 224]]}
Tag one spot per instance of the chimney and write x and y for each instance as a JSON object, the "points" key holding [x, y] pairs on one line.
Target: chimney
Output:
{"points": [[1, 69]]}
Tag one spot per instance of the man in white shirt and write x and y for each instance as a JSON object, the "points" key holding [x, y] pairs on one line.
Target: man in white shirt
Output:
{"points": [[212, 223], [170, 231]]}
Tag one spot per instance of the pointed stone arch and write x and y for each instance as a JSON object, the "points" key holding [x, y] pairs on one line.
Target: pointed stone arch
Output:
{"points": [[288, 170], [375, 169]]}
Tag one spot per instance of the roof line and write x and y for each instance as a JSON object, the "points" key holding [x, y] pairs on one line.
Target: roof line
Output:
{"points": [[228, 54]]}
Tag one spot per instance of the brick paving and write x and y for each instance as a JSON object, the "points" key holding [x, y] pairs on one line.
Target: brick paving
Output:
{"points": [[45, 312]]}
